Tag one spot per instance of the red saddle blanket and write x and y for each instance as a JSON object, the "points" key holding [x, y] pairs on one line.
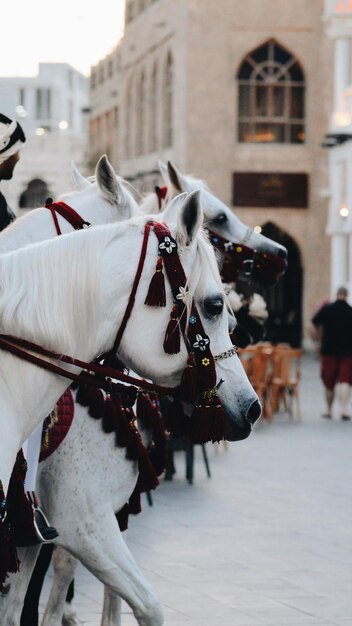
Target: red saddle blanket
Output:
{"points": [[58, 425]]}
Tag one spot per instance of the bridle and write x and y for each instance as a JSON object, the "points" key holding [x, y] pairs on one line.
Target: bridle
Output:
{"points": [[68, 213], [199, 378], [247, 264], [240, 262]]}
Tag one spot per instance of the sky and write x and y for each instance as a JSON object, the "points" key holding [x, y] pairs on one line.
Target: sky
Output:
{"points": [[79, 32]]}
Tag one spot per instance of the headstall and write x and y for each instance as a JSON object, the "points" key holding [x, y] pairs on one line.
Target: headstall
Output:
{"points": [[240, 262], [247, 264], [198, 385]]}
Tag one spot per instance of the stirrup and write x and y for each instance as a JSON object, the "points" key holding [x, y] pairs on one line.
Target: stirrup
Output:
{"points": [[44, 532]]}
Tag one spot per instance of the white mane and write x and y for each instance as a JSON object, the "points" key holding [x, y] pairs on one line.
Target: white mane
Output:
{"points": [[50, 291]]}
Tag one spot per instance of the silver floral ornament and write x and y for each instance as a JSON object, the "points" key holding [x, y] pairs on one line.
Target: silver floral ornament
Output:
{"points": [[167, 245], [201, 342]]}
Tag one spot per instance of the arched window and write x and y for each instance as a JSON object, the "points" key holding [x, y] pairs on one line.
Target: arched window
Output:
{"points": [[153, 100], [140, 115], [168, 103], [271, 102], [129, 118], [35, 194]]}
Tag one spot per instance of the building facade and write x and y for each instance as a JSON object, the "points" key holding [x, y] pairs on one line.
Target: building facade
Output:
{"points": [[52, 109], [239, 94], [338, 18]]}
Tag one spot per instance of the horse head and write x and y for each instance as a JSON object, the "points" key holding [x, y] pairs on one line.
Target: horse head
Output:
{"points": [[143, 344], [246, 254]]}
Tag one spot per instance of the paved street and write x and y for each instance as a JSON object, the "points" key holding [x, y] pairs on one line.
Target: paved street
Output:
{"points": [[267, 541]]}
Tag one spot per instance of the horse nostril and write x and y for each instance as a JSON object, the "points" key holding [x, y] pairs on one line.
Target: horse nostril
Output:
{"points": [[254, 412]]}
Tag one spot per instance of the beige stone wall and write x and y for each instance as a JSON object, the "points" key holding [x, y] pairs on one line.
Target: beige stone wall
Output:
{"points": [[208, 41]]}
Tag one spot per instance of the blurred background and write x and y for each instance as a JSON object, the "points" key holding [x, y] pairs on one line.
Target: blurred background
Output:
{"points": [[253, 97]]}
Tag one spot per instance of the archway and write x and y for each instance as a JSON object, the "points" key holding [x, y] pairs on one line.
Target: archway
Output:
{"points": [[34, 195], [284, 301]]}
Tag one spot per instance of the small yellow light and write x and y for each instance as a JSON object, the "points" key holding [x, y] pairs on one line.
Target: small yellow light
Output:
{"points": [[257, 229], [63, 125], [344, 212], [239, 249], [40, 131]]}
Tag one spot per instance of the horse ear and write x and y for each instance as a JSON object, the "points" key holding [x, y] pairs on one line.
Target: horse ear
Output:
{"points": [[107, 181], [190, 218], [177, 179], [163, 168], [79, 181], [170, 214]]}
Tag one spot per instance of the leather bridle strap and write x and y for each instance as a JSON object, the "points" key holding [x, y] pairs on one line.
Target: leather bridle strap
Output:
{"points": [[68, 213], [19, 347], [137, 278]]}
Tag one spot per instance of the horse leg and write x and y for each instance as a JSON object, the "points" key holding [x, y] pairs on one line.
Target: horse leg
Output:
{"points": [[64, 565], [100, 547], [111, 615], [11, 604]]}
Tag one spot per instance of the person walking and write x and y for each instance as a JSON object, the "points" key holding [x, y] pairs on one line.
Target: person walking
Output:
{"points": [[334, 323]]}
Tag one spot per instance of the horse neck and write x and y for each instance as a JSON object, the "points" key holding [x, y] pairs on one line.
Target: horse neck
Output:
{"points": [[92, 208]]}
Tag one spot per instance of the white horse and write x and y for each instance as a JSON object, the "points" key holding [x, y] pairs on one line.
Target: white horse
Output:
{"points": [[61, 467], [95, 262]]}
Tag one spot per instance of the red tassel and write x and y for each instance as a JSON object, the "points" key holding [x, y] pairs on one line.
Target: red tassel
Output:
{"points": [[97, 405], [189, 389], [145, 411], [110, 415], [124, 432], [9, 562], [134, 503], [156, 295], [147, 478], [177, 422], [83, 395], [200, 423], [19, 509], [218, 427], [122, 517], [172, 341]]}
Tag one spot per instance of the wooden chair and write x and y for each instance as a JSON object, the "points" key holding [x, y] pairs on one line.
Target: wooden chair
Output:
{"points": [[261, 375], [257, 363], [285, 380], [246, 356]]}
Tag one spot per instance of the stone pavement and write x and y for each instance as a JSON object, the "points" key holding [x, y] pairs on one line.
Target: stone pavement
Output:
{"points": [[267, 541]]}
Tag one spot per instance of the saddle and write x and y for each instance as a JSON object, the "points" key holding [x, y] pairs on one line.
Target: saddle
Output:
{"points": [[57, 425]]}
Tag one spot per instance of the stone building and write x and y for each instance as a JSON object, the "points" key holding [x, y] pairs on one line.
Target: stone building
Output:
{"points": [[52, 109], [239, 94], [338, 17]]}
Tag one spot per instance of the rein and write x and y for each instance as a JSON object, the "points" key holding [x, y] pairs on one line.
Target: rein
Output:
{"points": [[19, 347], [68, 213]]}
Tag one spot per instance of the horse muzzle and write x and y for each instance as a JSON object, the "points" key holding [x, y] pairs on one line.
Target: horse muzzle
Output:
{"points": [[238, 432]]}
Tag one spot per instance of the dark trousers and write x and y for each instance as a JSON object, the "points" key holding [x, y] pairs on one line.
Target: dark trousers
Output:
{"points": [[30, 611]]}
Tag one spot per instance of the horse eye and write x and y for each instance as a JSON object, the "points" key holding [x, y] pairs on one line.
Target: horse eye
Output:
{"points": [[220, 219], [213, 306]]}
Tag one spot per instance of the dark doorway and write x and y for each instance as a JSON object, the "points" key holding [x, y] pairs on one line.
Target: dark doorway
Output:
{"points": [[284, 301], [34, 195]]}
